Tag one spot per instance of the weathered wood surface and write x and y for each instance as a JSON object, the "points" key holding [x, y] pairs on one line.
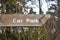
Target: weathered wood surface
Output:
{"points": [[23, 20]]}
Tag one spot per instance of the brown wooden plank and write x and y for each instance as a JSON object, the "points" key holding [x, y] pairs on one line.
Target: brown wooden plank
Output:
{"points": [[23, 20]]}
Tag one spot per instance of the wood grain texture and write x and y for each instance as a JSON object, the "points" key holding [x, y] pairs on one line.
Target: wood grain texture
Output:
{"points": [[7, 19]]}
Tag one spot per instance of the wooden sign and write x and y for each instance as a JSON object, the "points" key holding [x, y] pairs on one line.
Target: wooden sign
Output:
{"points": [[23, 20]]}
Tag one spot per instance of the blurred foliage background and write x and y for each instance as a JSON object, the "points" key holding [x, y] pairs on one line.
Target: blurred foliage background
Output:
{"points": [[10, 6]]}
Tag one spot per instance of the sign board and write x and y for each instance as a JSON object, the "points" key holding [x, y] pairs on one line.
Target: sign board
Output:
{"points": [[23, 20]]}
